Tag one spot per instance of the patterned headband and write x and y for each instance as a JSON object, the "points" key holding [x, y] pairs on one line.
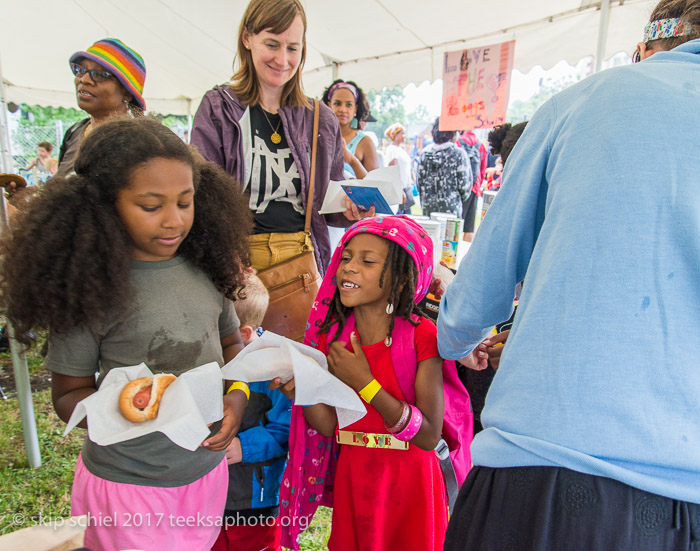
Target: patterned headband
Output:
{"points": [[345, 85], [393, 130], [665, 28]]}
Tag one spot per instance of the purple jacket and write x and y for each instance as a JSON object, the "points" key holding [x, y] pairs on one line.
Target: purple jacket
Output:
{"points": [[217, 134]]}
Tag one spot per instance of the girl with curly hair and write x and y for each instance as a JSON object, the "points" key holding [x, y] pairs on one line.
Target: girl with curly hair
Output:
{"points": [[135, 258]]}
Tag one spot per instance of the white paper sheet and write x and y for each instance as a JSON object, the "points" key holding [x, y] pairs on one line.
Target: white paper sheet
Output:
{"points": [[386, 179], [188, 405], [273, 356]]}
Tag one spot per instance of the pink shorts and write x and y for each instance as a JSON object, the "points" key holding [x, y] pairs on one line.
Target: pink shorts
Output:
{"points": [[128, 516]]}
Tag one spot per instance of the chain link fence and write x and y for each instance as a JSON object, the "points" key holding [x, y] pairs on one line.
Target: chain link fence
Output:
{"points": [[24, 141]]}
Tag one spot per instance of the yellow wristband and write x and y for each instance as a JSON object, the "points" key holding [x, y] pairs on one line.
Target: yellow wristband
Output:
{"points": [[370, 391], [238, 385]]}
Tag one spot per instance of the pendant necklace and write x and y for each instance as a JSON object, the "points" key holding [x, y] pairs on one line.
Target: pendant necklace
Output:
{"points": [[275, 138]]}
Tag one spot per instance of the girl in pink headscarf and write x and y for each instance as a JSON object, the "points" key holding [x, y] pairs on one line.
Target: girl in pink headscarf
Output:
{"points": [[386, 488]]}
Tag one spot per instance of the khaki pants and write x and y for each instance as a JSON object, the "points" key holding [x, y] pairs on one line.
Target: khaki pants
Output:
{"points": [[268, 249]]}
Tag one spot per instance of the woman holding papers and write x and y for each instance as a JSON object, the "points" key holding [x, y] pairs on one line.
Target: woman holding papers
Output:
{"points": [[259, 128], [348, 102]]}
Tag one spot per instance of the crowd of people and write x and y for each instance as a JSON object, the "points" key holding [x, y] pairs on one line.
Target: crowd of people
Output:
{"points": [[144, 249]]}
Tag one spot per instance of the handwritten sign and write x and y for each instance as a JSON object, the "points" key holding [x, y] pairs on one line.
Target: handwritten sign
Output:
{"points": [[475, 87]]}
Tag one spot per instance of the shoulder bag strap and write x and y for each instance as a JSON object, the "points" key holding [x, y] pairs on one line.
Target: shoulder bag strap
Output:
{"points": [[312, 178]]}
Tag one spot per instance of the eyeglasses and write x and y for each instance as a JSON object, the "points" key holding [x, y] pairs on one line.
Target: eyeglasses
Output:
{"points": [[95, 74]]}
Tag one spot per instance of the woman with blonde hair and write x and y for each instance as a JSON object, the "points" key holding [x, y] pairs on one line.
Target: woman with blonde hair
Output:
{"points": [[395, 154], [259, 128]]}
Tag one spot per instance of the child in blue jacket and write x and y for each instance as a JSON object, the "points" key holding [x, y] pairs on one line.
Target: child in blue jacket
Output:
{"points": [[258, 455]]}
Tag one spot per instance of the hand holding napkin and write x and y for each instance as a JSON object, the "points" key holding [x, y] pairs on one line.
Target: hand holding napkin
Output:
{"points": [[273, 356], [189, 404]]}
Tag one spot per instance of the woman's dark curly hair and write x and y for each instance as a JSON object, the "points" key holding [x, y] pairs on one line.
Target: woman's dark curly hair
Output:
{"points": [[503, 138], [67, 262], [362, 103], [402, 292]]}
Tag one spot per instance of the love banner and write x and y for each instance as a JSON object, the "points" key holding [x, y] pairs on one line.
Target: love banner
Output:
{"points": [[475, 87]]}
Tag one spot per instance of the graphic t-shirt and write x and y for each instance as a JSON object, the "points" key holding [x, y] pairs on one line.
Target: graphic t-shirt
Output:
{"points": [[275, 184]]}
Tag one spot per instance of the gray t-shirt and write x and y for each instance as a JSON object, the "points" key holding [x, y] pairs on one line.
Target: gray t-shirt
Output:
{"points": [[177, 324]]}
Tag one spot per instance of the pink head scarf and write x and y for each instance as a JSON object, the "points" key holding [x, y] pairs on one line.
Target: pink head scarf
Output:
{"points": [[411, 236]]}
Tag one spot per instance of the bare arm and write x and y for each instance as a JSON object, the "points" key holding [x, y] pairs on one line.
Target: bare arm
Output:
{"points": [[429, 400], [367, 154], [231, 345], [67, 391], [320, 416], [234, 402], [354, 162]]}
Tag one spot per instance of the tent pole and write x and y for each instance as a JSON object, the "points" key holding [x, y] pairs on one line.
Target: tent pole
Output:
{"points": [[6, 160], [24, 398], [19, 361], [334, 71], [602, 33]]}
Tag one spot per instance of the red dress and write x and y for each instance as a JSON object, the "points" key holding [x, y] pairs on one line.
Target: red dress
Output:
{"points": [[388, 499]]}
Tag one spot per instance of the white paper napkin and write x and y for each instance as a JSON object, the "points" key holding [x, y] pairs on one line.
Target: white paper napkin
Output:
{"points": [[273, 356], [191, 402]]}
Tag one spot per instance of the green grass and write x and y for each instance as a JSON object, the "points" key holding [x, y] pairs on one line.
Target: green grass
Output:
{"points": [[316, 537], [35, 362], [27, 491]]}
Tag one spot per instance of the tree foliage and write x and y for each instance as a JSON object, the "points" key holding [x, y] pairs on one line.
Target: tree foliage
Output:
{"points": [[387, 106], [420, 116], [36, 115], [523, 110]]}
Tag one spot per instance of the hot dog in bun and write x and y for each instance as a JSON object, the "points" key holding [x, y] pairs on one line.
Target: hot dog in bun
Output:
{"points": [[141, 397]]}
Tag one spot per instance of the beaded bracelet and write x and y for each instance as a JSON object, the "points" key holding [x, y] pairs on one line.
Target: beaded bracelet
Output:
{"points": [[413, 425], [370, 391], [401, 423], [239, 385]]}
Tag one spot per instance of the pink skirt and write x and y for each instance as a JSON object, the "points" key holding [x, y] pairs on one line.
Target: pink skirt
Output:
{"points": [[128, 516]]}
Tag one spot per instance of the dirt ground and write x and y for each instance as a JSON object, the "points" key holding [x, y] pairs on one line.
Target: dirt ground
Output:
{"points": [[40, 381]]}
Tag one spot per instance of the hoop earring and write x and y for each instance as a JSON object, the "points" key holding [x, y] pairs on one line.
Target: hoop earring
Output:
{"points": [[387, 341], [636, 57], [128, 108], [390, 308]]}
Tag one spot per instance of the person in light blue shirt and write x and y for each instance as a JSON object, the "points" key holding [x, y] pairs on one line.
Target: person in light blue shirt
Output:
{"points": [[592, 424]]}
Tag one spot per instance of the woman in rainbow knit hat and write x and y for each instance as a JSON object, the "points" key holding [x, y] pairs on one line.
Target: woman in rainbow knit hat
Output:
{"points": [[109, 78]]}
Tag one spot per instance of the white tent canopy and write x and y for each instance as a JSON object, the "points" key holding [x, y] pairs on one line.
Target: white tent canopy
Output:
{"points": [[189, 46]]}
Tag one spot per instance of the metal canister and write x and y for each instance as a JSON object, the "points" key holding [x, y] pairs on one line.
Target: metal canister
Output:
{"points": [[453, 229], [442, 217]]}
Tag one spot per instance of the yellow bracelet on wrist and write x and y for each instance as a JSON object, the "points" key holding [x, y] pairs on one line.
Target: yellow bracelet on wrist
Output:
{"points": [[370, 391], [238, 385]]}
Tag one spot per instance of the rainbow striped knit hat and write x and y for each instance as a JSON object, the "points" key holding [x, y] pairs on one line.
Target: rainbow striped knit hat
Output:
{"points": [[126, 64]]}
